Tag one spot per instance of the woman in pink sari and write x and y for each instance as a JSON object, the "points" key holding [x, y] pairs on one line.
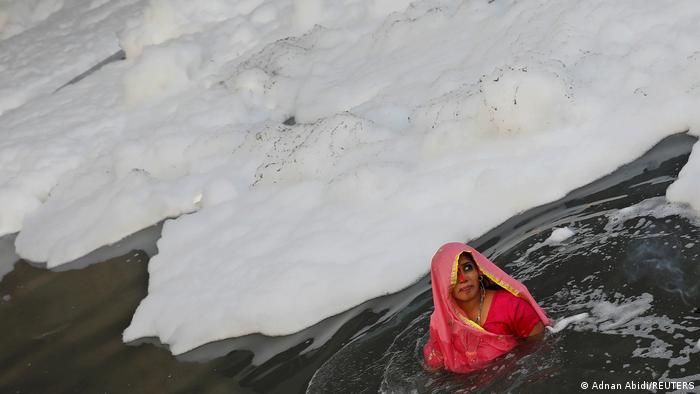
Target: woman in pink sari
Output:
{"points": [[480, 312]]}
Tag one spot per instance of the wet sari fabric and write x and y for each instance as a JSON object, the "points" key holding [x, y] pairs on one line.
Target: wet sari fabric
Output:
{"points": [[456, 342]]}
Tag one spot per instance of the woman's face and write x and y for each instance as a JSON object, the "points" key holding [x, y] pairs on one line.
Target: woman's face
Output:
{"points": [[467, 287]]}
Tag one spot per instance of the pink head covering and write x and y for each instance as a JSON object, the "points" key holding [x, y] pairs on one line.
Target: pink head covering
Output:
{"points": [[448, 324]]}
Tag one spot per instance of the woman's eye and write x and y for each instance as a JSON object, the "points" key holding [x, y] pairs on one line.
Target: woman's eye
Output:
{"points": [[467, 267]]}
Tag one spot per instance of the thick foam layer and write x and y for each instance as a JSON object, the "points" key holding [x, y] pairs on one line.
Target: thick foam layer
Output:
{"points": [[413, 125], [8, 258]]}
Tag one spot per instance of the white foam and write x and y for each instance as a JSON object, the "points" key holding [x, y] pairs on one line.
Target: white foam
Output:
{"points": [[416, 124], [8, 258], [560, 235], [659, 336], [19, 15], [656, 207], [161, 72], [685, 190], [612, 315], [161, 21], [564, 322], [44, 54], [307, 13]]}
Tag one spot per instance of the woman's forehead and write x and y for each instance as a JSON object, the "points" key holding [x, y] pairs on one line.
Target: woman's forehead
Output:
{"points": [[465, 257]]}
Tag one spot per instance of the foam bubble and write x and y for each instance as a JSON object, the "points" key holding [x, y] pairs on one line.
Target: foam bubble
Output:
{"points": [[161, 72], [561, 324], [560, 235]]}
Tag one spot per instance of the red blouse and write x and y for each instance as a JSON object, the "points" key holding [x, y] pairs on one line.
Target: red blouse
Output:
{"points": [[510, 315]]}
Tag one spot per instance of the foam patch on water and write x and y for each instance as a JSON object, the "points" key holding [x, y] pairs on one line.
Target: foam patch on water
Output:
{"points": [[611, 315], [660, 337], [560, 235], [658, 207], [561, 324]]}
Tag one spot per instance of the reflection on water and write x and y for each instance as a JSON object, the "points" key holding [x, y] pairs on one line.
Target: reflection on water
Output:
{"points": [[629, 275]]}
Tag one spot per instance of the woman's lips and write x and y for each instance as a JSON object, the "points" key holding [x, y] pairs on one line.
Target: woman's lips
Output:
{"points": [[466, 288]]}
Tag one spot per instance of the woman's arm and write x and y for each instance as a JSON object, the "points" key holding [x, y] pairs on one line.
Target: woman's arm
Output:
{"points": [[536, 333], [526, 323]]}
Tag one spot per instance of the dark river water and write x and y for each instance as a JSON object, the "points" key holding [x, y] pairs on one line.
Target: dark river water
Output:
{"points": [[627, 282]]}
